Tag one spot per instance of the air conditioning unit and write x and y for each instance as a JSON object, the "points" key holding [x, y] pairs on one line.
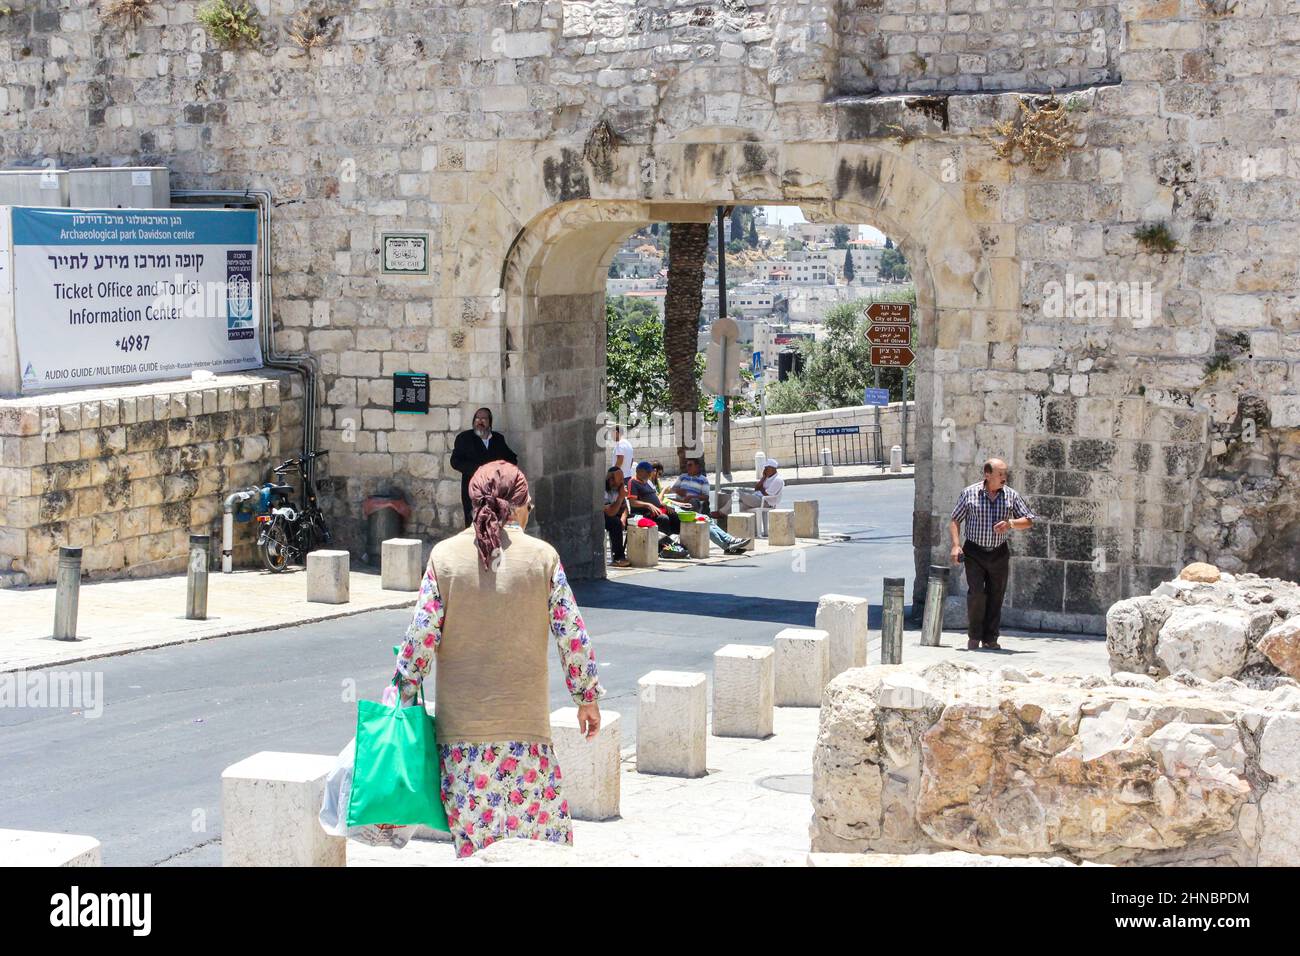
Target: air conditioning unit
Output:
{"points": [[119, 187], [34, 187]]}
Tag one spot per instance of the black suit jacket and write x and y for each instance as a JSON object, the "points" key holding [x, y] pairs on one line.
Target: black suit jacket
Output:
{"points": [[468, 454]]}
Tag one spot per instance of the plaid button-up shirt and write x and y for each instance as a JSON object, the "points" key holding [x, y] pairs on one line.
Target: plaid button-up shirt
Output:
{"points": [[981, 513]]}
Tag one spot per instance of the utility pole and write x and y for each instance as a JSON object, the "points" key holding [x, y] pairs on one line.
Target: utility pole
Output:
{"points": [[724, 419]]}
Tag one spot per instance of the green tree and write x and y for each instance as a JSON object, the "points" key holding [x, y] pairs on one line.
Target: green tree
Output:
{"points": [[848, 266], [636, 366], [613, 269], [752, 237], [841, 236], [790, 397], [893, 265]]}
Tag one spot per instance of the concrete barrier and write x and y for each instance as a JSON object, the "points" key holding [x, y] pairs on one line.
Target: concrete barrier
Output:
{"points": [[34, 848], [844, 618], [672, 724], [269, 808], [591, 767], [401, 564], [695, 538], [806, 523], [327, 577], [743, 690], [780, 527], [642, 545], [803, 666], [743, 524]]}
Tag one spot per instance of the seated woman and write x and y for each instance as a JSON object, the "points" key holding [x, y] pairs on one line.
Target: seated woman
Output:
{"points": [[617, 511]]}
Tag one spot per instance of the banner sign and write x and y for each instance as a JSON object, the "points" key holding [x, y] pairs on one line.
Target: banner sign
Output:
{"points": [[132, 295], [839, 430], [411, 392]]}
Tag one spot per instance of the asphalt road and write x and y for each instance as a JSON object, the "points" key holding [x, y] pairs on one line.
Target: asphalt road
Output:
{"points": [[145, 777]]}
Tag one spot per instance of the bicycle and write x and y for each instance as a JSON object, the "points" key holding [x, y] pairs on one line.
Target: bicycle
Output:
{"points": [[288, 534]]}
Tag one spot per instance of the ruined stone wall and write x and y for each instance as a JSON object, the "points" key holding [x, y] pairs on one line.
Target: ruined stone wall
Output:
{"points": [[527, 138], [931, 46]]}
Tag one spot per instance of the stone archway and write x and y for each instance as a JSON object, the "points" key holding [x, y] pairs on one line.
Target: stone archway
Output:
{"points": [[573, 213]]}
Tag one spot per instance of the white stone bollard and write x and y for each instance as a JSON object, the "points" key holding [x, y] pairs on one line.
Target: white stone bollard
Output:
{"points": [[896, 459], [828, 469], [642, 545], [34, 848], [844, 619], [743, 524], [401, 564], [760, 463], [803, 666], [806, 519], [590, 767], [672, 723], [743, 690], [780, 527], [269, 808], [695, 538], [328, 577]]}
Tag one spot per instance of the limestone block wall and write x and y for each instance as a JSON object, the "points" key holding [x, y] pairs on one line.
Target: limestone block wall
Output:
{"points": [[128, 472], [945, 45], [747, 435], [1122, 770]]}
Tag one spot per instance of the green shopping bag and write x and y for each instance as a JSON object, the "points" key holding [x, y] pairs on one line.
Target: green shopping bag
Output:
{"points": [[396, 779]]}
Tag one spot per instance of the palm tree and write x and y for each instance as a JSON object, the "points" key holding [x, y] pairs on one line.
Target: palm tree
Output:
{"points": [[683, 299]]}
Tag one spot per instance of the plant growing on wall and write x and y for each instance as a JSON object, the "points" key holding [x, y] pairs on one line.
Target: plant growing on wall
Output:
{"points": [[1039, 136], [126, 13], [1155, 237], [314, 26], [230, 24]]}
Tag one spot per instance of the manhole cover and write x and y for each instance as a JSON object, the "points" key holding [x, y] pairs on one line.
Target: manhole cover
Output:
{"points": [[789, 783]]}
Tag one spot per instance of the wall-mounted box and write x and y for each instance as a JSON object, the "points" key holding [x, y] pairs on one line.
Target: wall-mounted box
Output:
{"points": [[119, 187]]}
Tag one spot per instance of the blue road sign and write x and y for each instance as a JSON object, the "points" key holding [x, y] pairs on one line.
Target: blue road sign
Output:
{"points": [[875, 396], [758, 362], [719, 403]]}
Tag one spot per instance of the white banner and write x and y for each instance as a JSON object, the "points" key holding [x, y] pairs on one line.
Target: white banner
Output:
{"points": [[132, 295]]}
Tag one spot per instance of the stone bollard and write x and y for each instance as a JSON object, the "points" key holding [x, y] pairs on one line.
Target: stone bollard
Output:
{"points": [[805, 519], [896, 459], [642, 545], [196, 579], [760, 463], [401, 567], [590, 767], [328, 577], [672, 723], [828, 469], [891, 622], [743, 524], [780, 527], [695, 538], [936, 592], [743, 690], [34, 848], [269, 808], [803, 666], [845, 619]]}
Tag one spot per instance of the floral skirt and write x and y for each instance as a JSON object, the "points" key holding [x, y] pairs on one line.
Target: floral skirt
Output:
{"points": [[502, 789]]}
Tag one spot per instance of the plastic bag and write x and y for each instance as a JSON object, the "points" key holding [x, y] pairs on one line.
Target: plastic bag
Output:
{"points": [[334, 808]]}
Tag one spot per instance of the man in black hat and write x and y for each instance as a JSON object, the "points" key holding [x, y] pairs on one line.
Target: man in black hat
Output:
{"points": [[473, 449]]}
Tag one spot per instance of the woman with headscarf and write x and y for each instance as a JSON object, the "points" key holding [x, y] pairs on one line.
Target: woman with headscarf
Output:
{"points": [[489, 597]]}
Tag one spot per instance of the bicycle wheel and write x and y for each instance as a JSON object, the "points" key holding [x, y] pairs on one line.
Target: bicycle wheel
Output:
{"points": [[276, 550]]}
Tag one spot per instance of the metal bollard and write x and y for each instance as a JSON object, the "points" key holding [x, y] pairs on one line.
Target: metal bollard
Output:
{"points": [[891, 623], [936, 590], [828, 469], [67, 590], [196, 583]]}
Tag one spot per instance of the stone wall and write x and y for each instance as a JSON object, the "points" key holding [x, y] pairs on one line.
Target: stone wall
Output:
{"points": [[1125, 770], [747, 436], [129, 472], [529, 138], [929, 46]]}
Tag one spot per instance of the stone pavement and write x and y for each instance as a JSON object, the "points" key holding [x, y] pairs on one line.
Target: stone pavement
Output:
{"points": [[114, 617], [754, 807]]}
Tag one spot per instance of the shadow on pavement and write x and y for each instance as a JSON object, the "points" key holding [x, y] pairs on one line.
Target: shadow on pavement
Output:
{"points": [[616, 595]]}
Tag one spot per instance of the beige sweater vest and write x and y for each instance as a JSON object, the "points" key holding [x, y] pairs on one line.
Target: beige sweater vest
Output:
{"points": [[491, 662]]}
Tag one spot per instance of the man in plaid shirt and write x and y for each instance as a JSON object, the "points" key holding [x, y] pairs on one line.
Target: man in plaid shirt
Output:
{"points": [[991, 510]]}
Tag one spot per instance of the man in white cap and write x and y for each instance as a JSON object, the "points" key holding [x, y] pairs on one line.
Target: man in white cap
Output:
{"points": [[767, 490]]}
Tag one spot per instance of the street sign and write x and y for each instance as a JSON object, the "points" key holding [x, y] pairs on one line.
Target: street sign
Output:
{"points": [[721, 368], [758, 362], [889, 356], [890, 335], [875, 396], [899, 313]]}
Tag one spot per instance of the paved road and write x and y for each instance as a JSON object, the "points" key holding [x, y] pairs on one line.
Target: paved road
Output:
{"points": [[144, 777]]}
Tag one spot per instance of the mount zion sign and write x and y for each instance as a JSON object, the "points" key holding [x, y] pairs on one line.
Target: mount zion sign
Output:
{"points": [[889, 356]]}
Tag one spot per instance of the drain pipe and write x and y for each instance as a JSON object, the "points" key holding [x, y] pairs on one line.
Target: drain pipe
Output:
{"points": [[228, 527], [303, 363]]}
